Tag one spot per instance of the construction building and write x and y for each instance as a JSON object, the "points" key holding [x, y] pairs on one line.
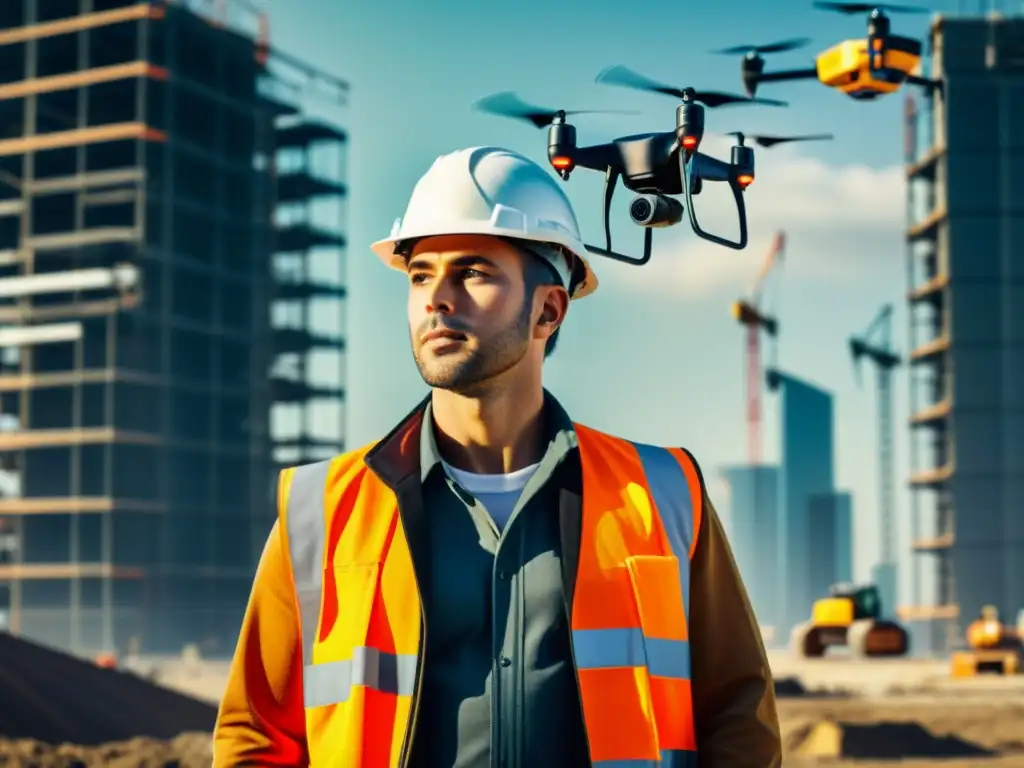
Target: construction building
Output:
{"points": [[830, 524], [169, 291], [753, 527], [806, 470], [966, 275]]}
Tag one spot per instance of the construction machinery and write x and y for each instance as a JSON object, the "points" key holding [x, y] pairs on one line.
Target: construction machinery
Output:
{"points": [[992, 646], [749, 314], [850, 617], [875, 344]]}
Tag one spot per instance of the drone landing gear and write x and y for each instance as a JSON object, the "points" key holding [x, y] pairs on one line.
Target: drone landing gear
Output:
{"points": [[741, 208], [611, 178]]}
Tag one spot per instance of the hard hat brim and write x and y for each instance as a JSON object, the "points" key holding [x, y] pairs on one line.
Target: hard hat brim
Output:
{"points": [[385, 250]]}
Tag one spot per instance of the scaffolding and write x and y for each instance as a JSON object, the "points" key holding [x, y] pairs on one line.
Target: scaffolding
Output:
{"points": [[960, 239], [930, 397], [308, 373], [139, 211]]}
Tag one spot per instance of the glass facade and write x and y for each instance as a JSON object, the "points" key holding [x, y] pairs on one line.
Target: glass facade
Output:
{"points": [[806, 470], [752, 526], [830, 525]]}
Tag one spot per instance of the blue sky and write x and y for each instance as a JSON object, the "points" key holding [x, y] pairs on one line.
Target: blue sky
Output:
{"points": [[654, 355]]}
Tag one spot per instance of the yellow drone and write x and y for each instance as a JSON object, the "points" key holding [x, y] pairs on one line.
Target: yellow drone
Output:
{"points": [[863, 68]]}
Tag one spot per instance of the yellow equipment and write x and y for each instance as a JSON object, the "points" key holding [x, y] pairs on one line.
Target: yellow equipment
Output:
{"points": [[994, 647], [862, 68], [851, 617], [848, 68]]}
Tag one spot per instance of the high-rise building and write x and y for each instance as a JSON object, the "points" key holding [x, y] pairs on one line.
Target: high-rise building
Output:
{"points": [[753, 524], [151, 163], [966, 275], [806, 469], [831, 540]]}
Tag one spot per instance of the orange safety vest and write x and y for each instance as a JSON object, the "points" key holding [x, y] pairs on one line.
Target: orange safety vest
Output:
{"points": [[361, 612]]}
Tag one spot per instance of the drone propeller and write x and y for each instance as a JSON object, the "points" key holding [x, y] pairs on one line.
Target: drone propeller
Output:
{"points": [[627, 78], [507, 104], [778, 47], [771, 141], [851, 8]]}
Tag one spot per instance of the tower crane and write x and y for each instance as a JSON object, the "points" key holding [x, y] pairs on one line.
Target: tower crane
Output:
{"points": [[875, 343], [748, 313]]}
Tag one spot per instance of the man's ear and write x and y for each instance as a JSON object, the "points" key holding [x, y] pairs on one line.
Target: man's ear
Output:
{"points": [[554, 307]]}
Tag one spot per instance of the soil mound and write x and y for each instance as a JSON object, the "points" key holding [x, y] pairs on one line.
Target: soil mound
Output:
{"points": [[54, 698]]}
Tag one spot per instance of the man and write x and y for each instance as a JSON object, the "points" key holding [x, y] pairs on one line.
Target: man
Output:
{"points": [[492, 584]]}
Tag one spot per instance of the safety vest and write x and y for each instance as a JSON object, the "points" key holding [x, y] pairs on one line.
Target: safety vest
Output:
{"points": [[361, 612]]}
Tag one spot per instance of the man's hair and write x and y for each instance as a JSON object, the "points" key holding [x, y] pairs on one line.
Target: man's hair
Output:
{"points": [[536, 273]]}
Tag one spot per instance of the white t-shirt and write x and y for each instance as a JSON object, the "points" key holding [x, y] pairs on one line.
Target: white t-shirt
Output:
{"points": [[498, 493]]}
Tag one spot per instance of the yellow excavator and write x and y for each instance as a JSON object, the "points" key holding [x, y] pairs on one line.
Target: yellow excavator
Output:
{"points": [[850, 617], [992, 646]]}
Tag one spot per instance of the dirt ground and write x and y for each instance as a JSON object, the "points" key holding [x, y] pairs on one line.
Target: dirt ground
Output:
{"points": [[191, 750], [943, 731], [833, 713], [916, 731]]}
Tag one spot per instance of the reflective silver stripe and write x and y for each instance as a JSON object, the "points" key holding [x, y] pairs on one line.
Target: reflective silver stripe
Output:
{"points": [[611, 648], [307, 534], [331, 682], [670, 758], [671, 494]]}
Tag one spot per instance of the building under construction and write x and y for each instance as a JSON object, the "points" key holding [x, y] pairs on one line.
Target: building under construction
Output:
{"points": [[966, 236], [170, 312]]}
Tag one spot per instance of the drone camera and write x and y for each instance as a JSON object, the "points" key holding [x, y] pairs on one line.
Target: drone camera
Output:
{"points": [[689, 125], [655, 211]]}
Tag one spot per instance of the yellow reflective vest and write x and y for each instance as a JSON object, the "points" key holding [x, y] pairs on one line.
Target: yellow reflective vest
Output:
{"points": [[362, 617]]}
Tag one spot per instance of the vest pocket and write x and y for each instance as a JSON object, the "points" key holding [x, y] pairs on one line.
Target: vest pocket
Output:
{"points": [[349, 593], [658, 592]]}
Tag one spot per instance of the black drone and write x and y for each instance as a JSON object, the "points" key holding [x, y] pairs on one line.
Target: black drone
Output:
{"points": [[656, 166]]}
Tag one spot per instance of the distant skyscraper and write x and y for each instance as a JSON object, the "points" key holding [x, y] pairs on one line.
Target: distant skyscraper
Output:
{"points": [[830, 525], [806, 432], [753, 533]]}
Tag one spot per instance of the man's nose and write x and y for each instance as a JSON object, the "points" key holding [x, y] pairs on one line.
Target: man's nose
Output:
{"points": [[441, 296]]}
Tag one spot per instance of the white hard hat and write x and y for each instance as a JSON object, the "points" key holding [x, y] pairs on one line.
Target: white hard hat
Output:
{"points": [[493, 191]]}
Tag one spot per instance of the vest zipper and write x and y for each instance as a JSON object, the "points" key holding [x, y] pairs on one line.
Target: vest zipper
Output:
{"points": [[576, 677], [414, 706]]}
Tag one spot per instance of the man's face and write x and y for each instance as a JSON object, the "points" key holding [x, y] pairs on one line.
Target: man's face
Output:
{"points": [[469, 316]]}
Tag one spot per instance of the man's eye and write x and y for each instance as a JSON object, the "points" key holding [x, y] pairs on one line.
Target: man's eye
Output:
{"points": [[473, 273], [417, 279]]}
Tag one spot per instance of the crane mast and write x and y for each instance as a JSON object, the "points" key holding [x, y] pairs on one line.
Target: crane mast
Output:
{"points": [[875, 344], [748, 313]]}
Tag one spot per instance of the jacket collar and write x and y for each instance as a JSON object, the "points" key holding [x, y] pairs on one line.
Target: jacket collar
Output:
{"points": [[410, 449], [400, 458]]}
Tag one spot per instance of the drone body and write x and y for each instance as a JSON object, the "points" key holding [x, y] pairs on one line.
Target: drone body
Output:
{"points": [[862, 68], [851, 68], [655, 166], [647, 163]]}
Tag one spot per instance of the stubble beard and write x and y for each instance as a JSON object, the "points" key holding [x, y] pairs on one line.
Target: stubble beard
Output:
{"points": [[470, 375]]}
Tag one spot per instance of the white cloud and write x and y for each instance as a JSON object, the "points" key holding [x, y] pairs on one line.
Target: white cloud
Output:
{"points": [[839, 220]]}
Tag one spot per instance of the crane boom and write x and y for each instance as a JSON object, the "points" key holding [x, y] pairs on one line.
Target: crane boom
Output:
{"points": [[775, 252]]}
